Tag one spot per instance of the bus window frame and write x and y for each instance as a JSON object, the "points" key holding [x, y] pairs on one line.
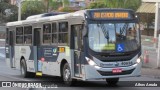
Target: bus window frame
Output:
{"points": [[50, 33], [19, 35], [80, 37], [46, 33], [64, 44], [27, 35], [7, 36]]}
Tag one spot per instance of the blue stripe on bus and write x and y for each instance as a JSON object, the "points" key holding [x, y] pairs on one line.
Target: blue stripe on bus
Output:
{"points": [[48, 53], [31, 56]]}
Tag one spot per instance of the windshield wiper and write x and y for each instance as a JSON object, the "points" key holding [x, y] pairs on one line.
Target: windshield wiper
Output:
{"points": [[123, 29], [105, 31]]}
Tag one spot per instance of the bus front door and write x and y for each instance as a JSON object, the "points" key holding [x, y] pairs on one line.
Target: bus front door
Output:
{"points": [[75, 42], [36, 43]]}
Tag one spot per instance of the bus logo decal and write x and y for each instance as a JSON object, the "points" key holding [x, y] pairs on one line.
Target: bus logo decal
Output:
{"points": [[54, 50]]}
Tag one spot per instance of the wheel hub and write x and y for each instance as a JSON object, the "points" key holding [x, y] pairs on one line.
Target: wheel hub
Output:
{"points": [[66, 74], [22, 71]]}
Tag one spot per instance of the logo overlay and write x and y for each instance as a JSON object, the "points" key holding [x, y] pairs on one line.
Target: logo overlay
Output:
{"points": [[26, 84]]}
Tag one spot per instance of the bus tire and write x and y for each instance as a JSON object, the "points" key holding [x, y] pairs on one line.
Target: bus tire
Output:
{"points": [[112, 81], [23, 69], [67, 75]]}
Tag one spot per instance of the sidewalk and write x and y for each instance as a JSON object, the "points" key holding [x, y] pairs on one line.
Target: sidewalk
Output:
{"points": [[149, 52], [151, 72], [149, 68]]}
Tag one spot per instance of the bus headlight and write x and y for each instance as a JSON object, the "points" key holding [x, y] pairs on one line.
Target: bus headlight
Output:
{"points": [[90, 62], [138, 60]]}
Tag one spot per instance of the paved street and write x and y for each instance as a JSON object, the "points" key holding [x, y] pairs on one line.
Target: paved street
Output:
{"points": [[7, 74], [97, 30]]}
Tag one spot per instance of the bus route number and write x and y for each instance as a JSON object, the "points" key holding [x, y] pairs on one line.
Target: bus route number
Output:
{"points": [[127, 63]]}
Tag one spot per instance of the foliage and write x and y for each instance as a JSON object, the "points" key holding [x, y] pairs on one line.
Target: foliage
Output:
{"points": [[8, 12], [65, 9], [65, 2], [130, 4], [32, 8], [54, 5], [97, 5]]}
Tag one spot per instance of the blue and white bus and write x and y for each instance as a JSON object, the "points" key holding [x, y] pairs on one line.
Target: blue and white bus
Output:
{"points": [[84, 45]]}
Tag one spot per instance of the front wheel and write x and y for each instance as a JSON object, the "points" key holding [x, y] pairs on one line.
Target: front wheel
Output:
{"points": [[67, 75], [112, 81]]}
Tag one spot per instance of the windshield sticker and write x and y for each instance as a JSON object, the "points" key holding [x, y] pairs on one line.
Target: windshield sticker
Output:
{"points": [[104, 47], [120, 48]]}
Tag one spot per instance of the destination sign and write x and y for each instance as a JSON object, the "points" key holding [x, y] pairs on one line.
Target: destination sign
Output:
{"points": [[110, 15]]}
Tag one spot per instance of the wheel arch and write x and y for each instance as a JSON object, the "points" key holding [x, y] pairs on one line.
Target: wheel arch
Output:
{"points": [[61, 66], [23, 58]]}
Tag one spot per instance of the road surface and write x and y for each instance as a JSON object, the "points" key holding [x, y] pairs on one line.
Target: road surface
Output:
{"points": [[8, 74]]}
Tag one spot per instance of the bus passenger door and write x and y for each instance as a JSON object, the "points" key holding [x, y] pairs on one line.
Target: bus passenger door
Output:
{"points": [[11, 49], [75, 45], [36, 43]]}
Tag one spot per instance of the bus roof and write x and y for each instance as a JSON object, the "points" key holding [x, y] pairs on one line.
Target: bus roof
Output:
{"points": [[31, 19]]}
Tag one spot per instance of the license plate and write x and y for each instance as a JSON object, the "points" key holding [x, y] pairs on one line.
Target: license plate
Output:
{"points": [[116, 70]]}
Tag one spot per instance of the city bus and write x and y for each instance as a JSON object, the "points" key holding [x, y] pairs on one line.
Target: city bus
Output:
{"points": [[84, 45]]}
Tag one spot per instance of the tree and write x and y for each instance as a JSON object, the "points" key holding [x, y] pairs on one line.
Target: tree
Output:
{"points": [[55, 4], [32, 8], [130, 4], [65, 3], [47, 4], [8, 12], [66, 9]]}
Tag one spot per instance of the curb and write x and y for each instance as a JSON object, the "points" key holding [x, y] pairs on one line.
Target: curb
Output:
{"points": [[151, 76]]}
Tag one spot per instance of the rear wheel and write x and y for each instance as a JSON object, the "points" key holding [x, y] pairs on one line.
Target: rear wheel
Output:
{"points": [[112, 81], [67, 75], [23, 69]]}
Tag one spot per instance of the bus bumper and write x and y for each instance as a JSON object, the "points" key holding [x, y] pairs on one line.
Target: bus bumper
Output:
{"points": [[94, 72]]}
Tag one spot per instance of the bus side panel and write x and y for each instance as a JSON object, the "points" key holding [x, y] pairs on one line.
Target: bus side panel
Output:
{"points": [[17, 57], [47, 57], [50, 58], [27, 53], [29, 56]]}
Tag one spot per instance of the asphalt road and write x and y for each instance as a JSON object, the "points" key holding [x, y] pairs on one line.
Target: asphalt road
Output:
{"points": [[8, 74]]}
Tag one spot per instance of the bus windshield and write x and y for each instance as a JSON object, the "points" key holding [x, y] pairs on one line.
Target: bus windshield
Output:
{"points": [[113, 37]]}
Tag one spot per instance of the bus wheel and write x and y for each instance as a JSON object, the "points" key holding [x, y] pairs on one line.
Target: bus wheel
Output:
{"points": [[112, 81], [67, 75], [23, 69]]}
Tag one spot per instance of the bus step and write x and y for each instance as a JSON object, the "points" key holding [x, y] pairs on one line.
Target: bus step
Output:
{"points": [[38, 73]]}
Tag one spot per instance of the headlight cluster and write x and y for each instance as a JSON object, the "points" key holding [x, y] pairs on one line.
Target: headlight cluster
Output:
{"points": [[90, 62], [139, 60]]}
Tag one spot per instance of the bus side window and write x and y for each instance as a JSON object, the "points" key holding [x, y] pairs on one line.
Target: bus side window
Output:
{"points": [[47, 39], [63, 32], [7, 36], [19, 35], [78, 40], [28, 34]]}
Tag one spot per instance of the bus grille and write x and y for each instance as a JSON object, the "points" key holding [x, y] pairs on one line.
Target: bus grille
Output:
{"points": [[104, 73]]}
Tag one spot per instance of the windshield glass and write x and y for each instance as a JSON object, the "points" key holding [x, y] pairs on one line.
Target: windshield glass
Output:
{"points": [[115, 37]]}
